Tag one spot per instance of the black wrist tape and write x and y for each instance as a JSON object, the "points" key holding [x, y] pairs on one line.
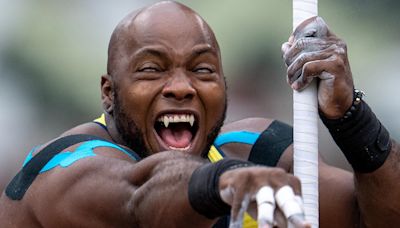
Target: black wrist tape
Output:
{"points": [[204, 191], [360, 135]]}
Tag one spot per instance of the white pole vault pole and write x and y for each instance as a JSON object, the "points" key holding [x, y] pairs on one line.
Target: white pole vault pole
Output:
{"points": [[305, 125]]}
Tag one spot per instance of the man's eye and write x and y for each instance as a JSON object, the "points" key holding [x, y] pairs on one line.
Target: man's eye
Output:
{"points": [[149, 69], [203, 70]]}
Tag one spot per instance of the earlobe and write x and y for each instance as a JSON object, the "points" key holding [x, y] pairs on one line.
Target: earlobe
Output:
{"points": [[107, 93]]}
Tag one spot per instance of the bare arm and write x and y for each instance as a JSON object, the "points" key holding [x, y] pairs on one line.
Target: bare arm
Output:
{"points": [[378, 192], [109, 192]]}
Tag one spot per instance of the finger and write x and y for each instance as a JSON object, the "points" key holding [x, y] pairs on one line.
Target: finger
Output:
{"points": [[318, 68], [295, 183], [236, 203], [298, 221], [304, 45], [279, 218], [287, 202], [285, 48], [295, 68], [265, 206], [294, 221], [237, 220], [227, 194]]}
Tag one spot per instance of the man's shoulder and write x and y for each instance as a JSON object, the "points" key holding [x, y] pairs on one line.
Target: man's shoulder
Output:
{"points": [[89, 128], [260, 140], [63, 153]]}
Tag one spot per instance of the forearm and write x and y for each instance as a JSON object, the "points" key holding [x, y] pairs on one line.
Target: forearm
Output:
{"points": [[162, 201], [374, 156], [378, 193]]}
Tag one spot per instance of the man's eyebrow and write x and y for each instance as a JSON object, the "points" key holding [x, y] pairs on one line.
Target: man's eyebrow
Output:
{"points": [[202, 49], [154, 51], [163, 53]]}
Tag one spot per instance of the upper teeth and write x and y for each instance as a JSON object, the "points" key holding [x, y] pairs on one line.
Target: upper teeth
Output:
{"points": [[177, 118]]}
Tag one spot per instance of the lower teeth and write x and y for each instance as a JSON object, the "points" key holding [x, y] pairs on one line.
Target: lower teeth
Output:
{"points": [[180, 149]]}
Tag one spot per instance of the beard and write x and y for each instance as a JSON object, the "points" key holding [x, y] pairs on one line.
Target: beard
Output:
{"points": [[212, 135], [133, 137], [128, 130]]}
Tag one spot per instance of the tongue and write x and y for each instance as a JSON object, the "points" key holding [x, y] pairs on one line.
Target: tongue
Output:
{"points": [[178, 138]]}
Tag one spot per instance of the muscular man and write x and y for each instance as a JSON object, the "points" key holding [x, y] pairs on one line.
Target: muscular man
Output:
{"points": [[164, 100]]}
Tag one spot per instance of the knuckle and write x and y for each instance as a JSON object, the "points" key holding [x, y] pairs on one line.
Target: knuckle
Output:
{"points": [[278, 173], [339, 63], [303, 57], [284, 47], [342, 44], [242, 174], [300, 43], [290, 71], [304, 42], [338, 49], [306, 69], [289, 79], [278, 177], [295, 181]]}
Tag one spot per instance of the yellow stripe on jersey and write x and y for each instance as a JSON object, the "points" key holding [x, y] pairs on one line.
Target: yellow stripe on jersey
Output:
{"points": [[101, 120], [214, 155]]}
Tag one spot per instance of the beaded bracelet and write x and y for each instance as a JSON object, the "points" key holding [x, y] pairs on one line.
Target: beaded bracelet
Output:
{"points": [[360, 135]]}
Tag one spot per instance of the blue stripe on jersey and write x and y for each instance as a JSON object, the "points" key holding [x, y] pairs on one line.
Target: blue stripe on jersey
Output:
{"points": [[67, 158], [246, 137]]}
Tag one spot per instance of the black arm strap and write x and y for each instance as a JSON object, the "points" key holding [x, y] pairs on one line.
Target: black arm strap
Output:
{"points": [[271, 144], [20, 183]]}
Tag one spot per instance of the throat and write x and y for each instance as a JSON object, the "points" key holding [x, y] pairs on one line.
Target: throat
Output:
{"points": [[176, 136]]}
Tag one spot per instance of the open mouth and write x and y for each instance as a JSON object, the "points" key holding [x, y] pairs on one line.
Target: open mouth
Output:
{"points": [[177, 131]]}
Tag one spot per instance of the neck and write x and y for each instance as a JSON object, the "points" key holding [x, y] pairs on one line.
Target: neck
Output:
{"points": [[112, 130]]}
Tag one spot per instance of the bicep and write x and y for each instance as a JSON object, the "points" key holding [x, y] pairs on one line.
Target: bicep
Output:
{"points": [[91, 192]]}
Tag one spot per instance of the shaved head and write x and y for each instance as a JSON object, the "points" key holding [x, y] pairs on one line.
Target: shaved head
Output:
{"points": [[162, 16]]}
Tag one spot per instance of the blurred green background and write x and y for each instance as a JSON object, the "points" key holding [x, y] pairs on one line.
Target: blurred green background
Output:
{"points": [[52, 54]]}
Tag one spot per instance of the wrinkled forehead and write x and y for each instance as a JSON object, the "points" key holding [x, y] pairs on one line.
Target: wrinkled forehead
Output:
{"points": [[170, 23]]}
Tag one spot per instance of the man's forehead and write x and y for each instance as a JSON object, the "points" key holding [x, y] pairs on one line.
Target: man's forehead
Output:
{"points": [[172, 22]]}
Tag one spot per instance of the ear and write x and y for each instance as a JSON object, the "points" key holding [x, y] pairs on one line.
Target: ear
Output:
{"points": [[107, 93]]}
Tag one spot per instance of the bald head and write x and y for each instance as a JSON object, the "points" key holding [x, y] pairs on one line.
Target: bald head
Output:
{"points": [[161, 22]]}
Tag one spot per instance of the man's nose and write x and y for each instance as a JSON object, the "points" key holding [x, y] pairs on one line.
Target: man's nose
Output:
{"points": [[179, 87]]}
